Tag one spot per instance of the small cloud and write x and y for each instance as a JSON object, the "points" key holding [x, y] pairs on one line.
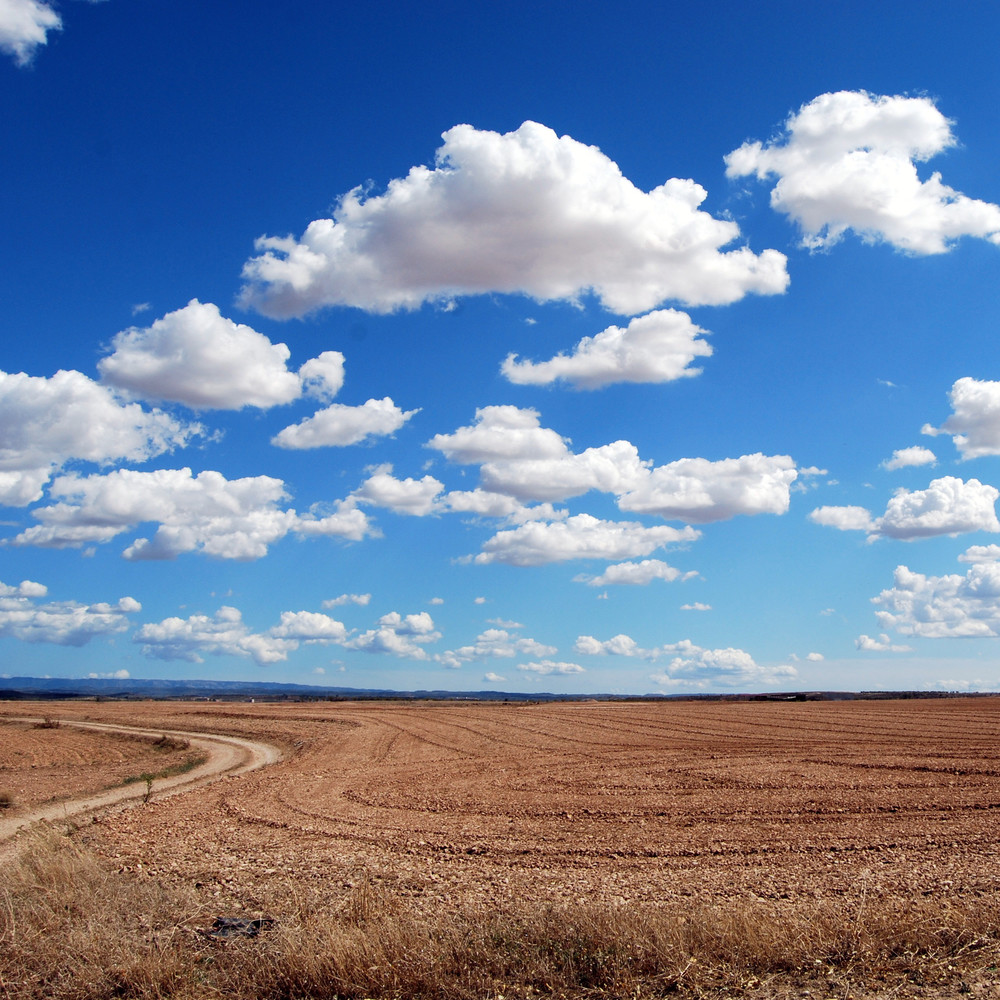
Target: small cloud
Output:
{"points": [[815, 657], [480, 600], [436, 600], [336, 602], [140, 308], [887, 383], [319, 670], [116, 675], [492, 677], [551, 667], [696, 606], [502, 623], [905, 457], [826, 612], [882, 644]]}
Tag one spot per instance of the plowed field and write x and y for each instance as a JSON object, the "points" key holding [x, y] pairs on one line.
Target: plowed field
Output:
{"points": [[40, 764], [451, 804]]}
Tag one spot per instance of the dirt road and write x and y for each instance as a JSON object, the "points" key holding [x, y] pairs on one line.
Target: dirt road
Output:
{"points": [[225, 756]]}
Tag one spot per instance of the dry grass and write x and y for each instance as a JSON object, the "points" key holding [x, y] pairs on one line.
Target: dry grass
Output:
{"points": [[72, 928]]}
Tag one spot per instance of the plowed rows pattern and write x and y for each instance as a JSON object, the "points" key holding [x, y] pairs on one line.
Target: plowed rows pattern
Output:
{"points": [[457, 802], [40, 765]]}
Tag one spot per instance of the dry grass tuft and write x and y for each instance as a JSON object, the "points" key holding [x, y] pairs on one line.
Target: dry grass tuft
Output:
{"points": [[70, 928]]}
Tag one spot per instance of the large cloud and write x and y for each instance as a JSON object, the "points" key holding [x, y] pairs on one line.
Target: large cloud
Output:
{"points": [[46, 422], [937, 607], [65, 623], [700, 491], [226, 634], [24, 25], [229, 519], [949, 506], [198, 357], [847, 161], [657, 347], [693, 666], [579, 537], [524, 212], [223, 634], [522, 459], [975, 421]]}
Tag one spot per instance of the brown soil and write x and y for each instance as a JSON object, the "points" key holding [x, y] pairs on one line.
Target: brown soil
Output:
{"points": [[40, 764], [452, 804]]}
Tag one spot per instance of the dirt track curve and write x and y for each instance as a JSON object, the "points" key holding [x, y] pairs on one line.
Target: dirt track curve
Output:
{"points": [[225, 756]]}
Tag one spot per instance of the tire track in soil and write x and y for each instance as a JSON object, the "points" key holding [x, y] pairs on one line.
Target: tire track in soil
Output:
{"points": [[226, 756]]}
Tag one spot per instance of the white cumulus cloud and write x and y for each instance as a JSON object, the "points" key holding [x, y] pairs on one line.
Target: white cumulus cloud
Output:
{"points": [[492, 644], [936, 607], [224, 633], [579, 537], [198, 357], [501, 434], [847, 518], [949, 506], [847, 161], [24, 25], [657, 347], [881, 644], [546, 667], [693, 666], [618, 645], [903, 458], [524, 212], [226, 518], [417, 497], [398, 635], [974, 424], [700, 491], [64, 623], [360, 599], [635, 574], [343, 425], [689, 665], [46, 422]]}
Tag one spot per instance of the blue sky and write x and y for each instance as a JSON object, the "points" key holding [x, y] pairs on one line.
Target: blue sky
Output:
{"points": [[524, 346]]}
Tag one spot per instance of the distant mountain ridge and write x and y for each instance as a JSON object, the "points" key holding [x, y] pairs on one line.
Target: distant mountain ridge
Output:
{"points": [[20, 688]]}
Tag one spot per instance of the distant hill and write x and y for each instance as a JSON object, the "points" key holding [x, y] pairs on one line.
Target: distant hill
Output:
{"points": [[19, 688]]}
